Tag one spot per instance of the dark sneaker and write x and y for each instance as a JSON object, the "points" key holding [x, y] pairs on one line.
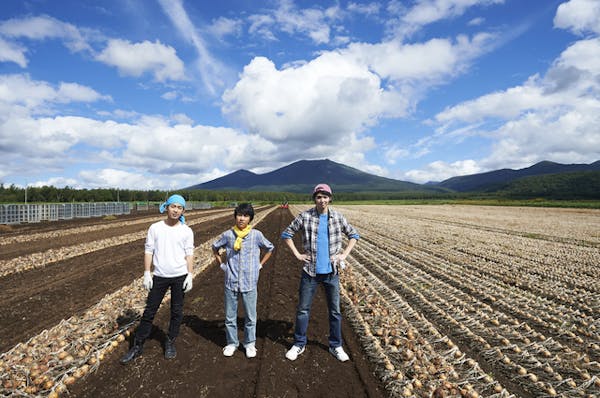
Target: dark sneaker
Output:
{"points": [[170, 351], [133, 353]]}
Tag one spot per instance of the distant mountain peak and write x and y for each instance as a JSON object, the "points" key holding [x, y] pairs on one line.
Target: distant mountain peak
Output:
{"points": [[303, 175]]}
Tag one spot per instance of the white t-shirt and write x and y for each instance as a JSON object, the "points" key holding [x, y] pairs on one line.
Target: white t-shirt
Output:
{"points": [[169, 247]]}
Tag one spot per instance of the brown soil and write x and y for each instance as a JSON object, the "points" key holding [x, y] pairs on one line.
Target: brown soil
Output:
{"points": [[34, 300]]}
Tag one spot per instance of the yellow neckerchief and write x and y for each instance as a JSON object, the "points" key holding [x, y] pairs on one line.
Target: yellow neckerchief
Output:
{"points": [[240, 234]]}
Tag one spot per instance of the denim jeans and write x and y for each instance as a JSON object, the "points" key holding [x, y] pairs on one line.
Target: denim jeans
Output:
{"points": [[155, 297], [308, 286], [231, 310]]}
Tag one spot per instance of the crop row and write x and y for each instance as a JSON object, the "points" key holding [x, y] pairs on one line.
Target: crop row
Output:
{"points": [[521, 308]]}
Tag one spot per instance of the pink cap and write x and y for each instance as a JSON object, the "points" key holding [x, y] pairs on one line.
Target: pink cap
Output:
{"points": [[322, 188]]}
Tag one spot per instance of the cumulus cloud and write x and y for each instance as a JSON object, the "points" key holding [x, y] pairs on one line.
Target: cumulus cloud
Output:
{"points": [[550, 117], [135, 59], [579, 16], [333, 99]]}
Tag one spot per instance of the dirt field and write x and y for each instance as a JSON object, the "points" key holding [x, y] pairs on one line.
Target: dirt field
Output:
{"points": [[35, 300]]}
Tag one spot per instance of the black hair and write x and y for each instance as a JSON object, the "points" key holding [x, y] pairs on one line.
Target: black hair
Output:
{"points": [[244, 209]]}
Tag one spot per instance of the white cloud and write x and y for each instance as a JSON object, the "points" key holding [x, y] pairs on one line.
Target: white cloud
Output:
{"points": [[211, 71], [366, 9], [45, 27], [395, 152], [21, 90], [554, 117], [314, 23], [440, 170], [11, 52], [337, 96], [476, 21], [323, 100], [170, 95], [108, 177], [412, 62], [222, 27], [58, 182], [579, 16], [411, 19], [135, 59]]}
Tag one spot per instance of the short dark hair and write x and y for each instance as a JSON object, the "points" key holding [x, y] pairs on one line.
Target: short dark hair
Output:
{"points": [[244, 209]]}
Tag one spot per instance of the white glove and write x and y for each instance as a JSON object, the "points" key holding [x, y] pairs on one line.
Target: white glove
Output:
{"points": [[147, 280], [187, 283], [341, 264]]}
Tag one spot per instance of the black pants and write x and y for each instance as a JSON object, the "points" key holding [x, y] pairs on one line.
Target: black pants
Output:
{"points": [[155, 297]]}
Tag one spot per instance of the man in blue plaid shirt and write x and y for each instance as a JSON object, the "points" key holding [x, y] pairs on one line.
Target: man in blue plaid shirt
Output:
{"points": [[322, 232]]}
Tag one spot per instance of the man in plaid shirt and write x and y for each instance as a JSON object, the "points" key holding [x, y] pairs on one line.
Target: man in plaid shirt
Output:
{"points": [[322, 232]]}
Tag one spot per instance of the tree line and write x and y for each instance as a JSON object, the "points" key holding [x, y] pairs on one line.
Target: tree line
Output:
{"points": [[564, 186], [51, 194]]}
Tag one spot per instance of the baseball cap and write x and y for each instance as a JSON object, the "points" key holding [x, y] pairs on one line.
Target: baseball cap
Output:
{"points": [[322, 188]]}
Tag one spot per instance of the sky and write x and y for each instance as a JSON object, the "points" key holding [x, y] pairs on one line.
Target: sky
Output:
{"points": [[165, 94]]}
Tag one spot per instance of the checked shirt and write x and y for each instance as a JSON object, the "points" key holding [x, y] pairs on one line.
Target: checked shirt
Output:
{"points": [[308, 222]]}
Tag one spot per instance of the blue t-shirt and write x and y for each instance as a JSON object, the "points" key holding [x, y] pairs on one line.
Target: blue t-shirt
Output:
{"points": [[323, 264]]}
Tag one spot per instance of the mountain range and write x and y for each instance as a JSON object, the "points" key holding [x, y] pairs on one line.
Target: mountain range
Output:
{"points": [[303, 175]]}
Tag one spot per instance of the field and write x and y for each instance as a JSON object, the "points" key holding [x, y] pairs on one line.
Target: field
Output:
{"points": [[439, 300]]}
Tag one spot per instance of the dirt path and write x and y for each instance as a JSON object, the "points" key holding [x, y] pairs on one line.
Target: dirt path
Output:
{"points": [[200, 369]]}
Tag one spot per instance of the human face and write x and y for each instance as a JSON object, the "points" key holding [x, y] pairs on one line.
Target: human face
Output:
{"points": [[242, 220], [174, 211], [322, 201]]}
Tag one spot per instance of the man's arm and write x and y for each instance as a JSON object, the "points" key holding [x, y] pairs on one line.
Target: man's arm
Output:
{"points": [[265, 258], [349, 247], [302, 257], [147, 262], [190, 263]]}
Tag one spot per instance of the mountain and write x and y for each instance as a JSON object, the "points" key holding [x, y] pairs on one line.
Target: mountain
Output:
{"points": [[497, 179], [303, 175], [575, 185]]}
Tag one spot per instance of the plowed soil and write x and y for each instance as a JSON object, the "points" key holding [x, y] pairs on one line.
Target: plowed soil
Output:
{"points": [[34, 300]]}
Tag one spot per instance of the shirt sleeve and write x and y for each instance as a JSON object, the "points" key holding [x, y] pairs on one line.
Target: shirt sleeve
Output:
{"points": [[294, 227], [265, 243], [349, 230], [189, 242], [149, 245], [220, 242]]}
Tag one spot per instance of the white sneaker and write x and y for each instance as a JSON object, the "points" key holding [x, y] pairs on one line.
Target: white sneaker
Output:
{"points": [[293, 352], [339, 353], [229, 350], [250, 350]]}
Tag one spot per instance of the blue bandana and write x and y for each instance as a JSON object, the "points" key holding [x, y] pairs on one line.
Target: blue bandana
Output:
{"points": [[178, 199]]}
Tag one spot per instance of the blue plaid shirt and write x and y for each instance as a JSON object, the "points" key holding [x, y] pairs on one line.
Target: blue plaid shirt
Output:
{"points": [[308, 222], [242, 267]]}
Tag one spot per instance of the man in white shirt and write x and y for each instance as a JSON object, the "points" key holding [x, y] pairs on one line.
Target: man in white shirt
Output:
{"points": [[170, 247]]}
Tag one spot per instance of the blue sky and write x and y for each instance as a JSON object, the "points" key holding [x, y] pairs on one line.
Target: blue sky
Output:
{"points": [[163, 94]]}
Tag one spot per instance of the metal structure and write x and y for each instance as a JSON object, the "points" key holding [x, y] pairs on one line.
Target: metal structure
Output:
{"points": [[33, 213]]}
